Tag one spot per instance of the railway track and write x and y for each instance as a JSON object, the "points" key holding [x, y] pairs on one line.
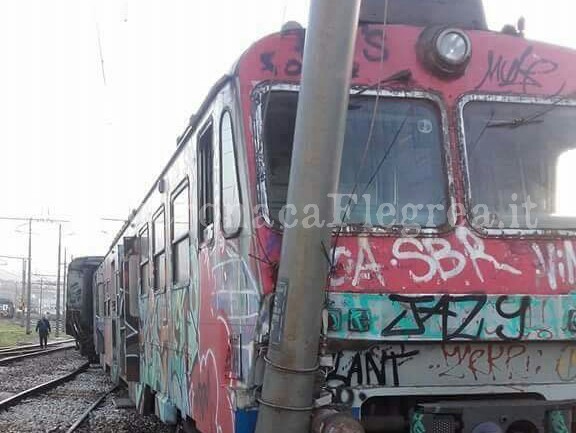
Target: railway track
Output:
{"points": [[61, 404], [61, 392], [17, 354], [34, 345], [7, 402]]}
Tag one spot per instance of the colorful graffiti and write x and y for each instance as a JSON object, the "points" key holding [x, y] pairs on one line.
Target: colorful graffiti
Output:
{"points": [[445, 309]]}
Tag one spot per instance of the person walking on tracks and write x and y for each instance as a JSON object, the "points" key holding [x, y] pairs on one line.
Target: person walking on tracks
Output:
{"points": [[43, 329]]}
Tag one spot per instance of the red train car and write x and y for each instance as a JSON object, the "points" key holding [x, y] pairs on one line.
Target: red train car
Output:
{"points": [[451, 304]]}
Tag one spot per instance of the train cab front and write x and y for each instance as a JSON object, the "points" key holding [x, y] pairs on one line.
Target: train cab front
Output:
{"points": [[451, 305]]}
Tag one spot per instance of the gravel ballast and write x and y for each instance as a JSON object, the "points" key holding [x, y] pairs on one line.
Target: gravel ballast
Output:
{"points": [[54, 411]]}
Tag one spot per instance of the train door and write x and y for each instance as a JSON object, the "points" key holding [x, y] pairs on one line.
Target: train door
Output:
{"points": [[121, 328], [114, 319], [131, 263]]}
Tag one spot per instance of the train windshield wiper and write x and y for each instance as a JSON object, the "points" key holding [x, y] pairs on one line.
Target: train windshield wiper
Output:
{"points": [[535, 118], [514, 123], [404, 76]]}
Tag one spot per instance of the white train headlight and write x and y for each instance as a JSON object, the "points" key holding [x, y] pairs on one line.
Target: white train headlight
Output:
{"points": [[445, 51]]}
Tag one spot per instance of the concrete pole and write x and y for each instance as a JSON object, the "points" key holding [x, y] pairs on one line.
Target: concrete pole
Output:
{"points": [[22, 295], [41, 296], [29, 294], [58, 281], [292, 357], [64, 289]]}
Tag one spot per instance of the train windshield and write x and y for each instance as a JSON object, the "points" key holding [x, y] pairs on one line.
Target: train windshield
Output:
{"points": [[392, 161], [521, 160]]}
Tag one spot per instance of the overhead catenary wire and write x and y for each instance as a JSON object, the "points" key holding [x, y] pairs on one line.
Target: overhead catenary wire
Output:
{"points": [[100, 54], [368, 139]]}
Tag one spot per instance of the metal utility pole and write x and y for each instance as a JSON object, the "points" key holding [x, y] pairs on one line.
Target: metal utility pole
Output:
{"points": [[58, 281], [41, 296], [23, 291], [64, 288], [29, 294], [292, 358], [29, 221]]}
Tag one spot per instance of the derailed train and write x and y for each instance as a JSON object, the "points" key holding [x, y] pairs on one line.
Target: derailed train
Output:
{"points": [[466, 324]]}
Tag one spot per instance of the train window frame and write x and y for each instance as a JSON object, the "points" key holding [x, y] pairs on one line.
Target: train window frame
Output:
{"points": [[144, 263], [205, 233], [183, 186], [259, 94], [158, 253], [228, 234], [513, 233]]}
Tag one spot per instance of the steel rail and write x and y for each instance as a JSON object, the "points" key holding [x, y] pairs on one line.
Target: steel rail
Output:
{"points": [[87, 412], [42, 387], [32, 346], [40, 352]]}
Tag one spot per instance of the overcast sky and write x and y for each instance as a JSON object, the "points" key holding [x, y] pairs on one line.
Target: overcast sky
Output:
{"points": [[83, 141]]}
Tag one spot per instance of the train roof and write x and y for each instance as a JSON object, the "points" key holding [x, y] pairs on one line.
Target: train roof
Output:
{"points": [[89, 261]]}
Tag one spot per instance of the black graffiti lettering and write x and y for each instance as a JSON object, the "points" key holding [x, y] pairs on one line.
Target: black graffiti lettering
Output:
{"points": [[522, 71], [422, 313], [413, 303], [267, 61], [369, 367], [356, 369], [520, 314], [374, 38], [418, 308], [379, 372], [458, 334]]}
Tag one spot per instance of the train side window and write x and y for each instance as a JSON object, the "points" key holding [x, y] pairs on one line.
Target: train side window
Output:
{"points": [[205, 186], [180, 230], [113, 279], [144, 260], [97, 300], [100, 291], [159, 250], [230, 188]]}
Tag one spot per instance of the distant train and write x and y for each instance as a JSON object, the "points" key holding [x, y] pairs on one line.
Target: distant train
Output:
{"points": [[467, 325], [6, 308], [79, 303]]}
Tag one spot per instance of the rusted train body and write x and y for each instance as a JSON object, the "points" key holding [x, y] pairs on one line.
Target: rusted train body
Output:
{"points": [[451, 301]]}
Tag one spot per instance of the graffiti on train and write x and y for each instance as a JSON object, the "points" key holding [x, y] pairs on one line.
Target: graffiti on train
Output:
{"points": [[434, 259], [379, 366], [450, 317], [556, 263], [451, 364], [525, 71]]}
